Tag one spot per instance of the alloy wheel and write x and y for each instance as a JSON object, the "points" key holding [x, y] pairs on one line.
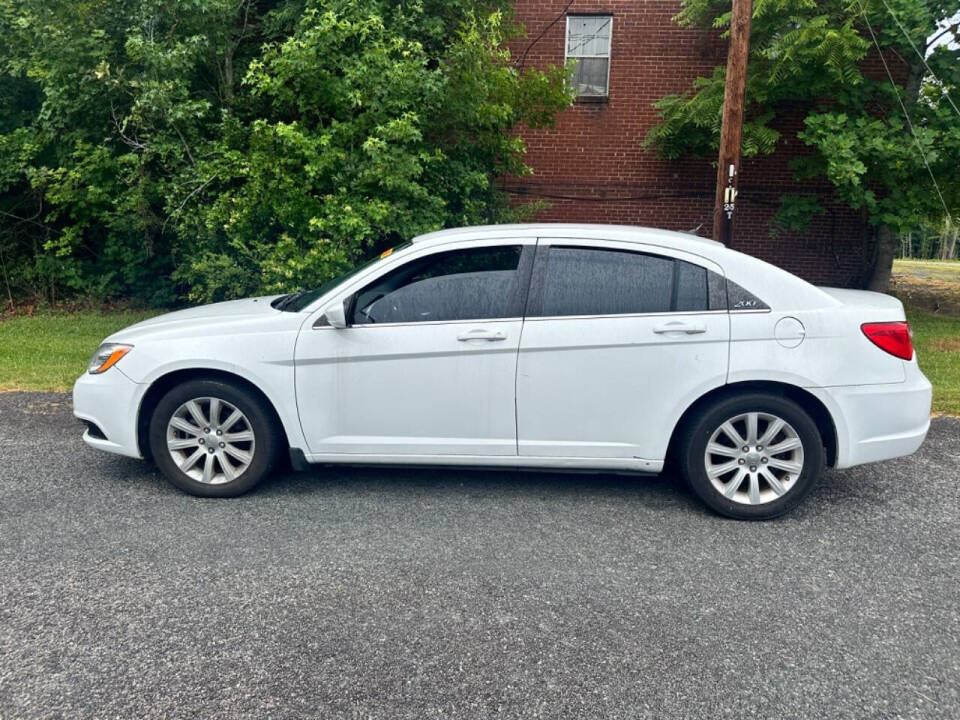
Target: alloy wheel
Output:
{"points": [[210, 440], [754, 458]]}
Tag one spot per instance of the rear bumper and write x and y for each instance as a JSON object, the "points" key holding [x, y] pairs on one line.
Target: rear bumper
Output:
{"points": [[110, 401], [879, 422]]}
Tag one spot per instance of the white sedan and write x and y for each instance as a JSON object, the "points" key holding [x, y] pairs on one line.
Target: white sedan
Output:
{"points": [[569, 347]]}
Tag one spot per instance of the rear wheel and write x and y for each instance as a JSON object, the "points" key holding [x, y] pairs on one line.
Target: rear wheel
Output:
{"points": [[752, 457], [213, 439]]}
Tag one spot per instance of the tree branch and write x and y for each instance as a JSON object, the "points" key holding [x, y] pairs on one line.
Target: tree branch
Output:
{"points": [[31, 221], [186, 200], [185, 146]]}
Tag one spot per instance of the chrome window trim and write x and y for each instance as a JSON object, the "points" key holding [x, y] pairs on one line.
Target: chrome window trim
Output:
{"points": [[419, 324], [625, 315], [374, 326]]}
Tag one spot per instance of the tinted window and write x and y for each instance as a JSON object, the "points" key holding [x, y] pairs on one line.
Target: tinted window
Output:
{"points": [[473, 284], [592, 281], [691, 287], [717, 289]]}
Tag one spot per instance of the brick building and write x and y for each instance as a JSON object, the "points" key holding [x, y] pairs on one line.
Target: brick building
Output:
{"points": [[592, 167]]}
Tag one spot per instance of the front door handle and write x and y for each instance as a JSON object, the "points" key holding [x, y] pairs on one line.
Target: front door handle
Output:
{"points": [[680, 328], [481, 334]]}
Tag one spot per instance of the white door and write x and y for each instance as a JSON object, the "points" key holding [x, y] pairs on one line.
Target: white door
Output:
{"points": [[427, 365], [616, 344]]}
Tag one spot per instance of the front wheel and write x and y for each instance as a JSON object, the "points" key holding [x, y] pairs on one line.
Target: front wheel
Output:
{"points": [[752, 457], [213, 439]]}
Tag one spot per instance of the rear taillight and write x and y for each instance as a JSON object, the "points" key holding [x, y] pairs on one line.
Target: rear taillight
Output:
{"points": [[892, 337]]}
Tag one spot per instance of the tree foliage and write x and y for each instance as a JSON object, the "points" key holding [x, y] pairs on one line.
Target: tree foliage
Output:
{"points": [[818, 59], [213, 148]]}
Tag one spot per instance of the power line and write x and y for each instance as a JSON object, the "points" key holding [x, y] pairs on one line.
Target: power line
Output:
{"points": [[903, 107], [619, 198], [755, 194], [943, 87], [523, 58]]}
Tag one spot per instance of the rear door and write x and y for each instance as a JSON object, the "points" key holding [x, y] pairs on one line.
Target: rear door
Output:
{"points": [[618, 340]]}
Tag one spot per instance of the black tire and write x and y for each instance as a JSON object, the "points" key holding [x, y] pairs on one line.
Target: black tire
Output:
{"points": [[259, 416], [693, 461]]}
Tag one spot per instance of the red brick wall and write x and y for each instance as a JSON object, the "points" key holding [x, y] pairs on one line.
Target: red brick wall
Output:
{"points": [[592, 166]]}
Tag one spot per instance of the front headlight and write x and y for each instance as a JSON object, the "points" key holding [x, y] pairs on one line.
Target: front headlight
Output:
{"points": [[107, 356]]}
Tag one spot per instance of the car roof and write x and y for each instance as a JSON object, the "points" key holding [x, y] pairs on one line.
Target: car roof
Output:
{"points": [[627, 233]]}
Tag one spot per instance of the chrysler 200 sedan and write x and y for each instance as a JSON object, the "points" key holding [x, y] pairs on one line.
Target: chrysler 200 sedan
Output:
{"points": [[568, 347]]}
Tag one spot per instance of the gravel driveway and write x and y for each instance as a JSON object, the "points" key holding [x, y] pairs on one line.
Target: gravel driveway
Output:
{"points": [[419, 594]]}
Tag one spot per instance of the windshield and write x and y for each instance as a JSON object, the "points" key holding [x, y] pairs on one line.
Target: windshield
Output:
{"points": [[303, 299]]}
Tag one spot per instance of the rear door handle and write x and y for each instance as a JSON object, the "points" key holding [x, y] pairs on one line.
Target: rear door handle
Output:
{"points": [[481, 334], [680, 328]]}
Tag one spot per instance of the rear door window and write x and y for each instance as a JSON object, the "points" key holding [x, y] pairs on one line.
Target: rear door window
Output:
{"points": [[599, 281]]}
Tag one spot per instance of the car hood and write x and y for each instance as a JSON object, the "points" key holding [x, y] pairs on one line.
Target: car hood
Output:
{"points": [[220, 314]]}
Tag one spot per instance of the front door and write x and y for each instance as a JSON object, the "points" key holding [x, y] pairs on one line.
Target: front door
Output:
{"points": [[427, 364], [617, 342]]}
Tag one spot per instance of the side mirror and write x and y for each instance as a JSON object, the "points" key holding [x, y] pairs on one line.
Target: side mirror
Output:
{"points": [[335, 315]]}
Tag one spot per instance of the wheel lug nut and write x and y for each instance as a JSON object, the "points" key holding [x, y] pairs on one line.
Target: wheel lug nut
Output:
{"points": [[741, 461], [210, 450], [746, 449], [753, 468], [201, 441], [206, 430], [219, 432], [223, 444], [763, 460], [759, 447]]}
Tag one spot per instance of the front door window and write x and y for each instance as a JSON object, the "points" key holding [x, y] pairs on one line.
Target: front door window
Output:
{"points": [[470, 284]]}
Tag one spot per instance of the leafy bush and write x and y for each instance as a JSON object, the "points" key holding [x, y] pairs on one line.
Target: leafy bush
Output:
{"points": [[208, 149]]}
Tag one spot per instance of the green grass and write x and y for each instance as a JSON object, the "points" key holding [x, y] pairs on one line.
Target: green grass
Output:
{"points": [[947, 270], [50, 350], [930, 285], [923, 286], [937, 340]]}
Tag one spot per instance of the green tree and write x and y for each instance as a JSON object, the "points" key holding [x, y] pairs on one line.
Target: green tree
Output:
{"points": [[821, 56], [210, 148]]}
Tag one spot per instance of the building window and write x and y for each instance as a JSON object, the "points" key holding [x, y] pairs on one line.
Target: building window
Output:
{"points": [[588, 45]]}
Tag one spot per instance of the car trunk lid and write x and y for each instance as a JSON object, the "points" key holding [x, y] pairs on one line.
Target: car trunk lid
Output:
{"points": [[875, 306]]}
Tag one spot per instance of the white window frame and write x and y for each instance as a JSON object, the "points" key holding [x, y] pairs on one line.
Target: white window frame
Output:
{"points": [[608, 57]]}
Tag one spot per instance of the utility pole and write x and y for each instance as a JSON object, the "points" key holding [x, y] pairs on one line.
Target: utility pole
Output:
{"points": [[731, 128]]}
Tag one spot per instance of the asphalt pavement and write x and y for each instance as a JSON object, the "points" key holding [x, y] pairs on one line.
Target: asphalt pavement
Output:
{"points": [[381, 593]]}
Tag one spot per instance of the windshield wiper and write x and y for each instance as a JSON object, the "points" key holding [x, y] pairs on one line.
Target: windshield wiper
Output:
{"points": [[282, 302]]}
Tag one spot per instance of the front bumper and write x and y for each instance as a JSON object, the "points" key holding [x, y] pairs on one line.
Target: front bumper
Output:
{"points": [[109, 400], [879, 422]]}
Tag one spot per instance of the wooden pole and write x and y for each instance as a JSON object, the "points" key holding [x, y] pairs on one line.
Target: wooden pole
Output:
{"points": [[731, 128]]}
